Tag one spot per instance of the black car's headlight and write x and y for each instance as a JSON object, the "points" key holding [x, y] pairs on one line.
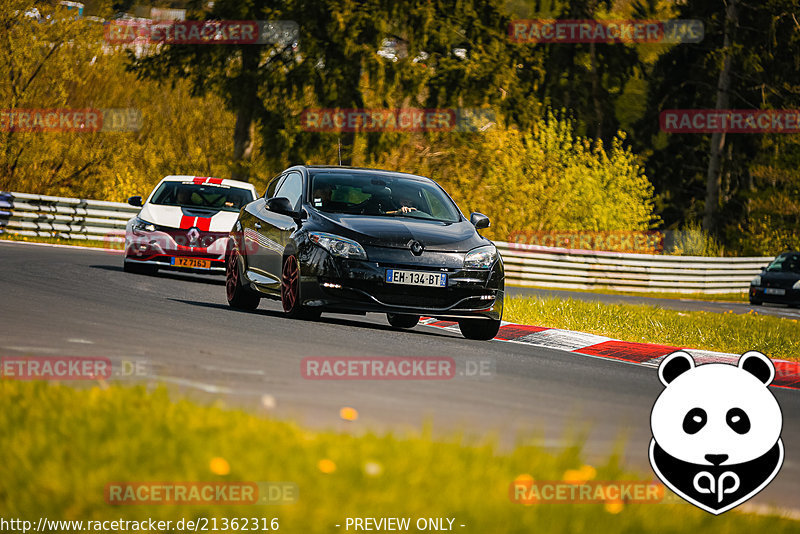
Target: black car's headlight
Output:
{"points": [[339, 246], [140, 225], [756, 281], [481, 257], [796, 286]]}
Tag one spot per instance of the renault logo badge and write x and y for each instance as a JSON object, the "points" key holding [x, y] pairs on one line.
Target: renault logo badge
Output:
{"points": [[417, 248], [193, 234]]}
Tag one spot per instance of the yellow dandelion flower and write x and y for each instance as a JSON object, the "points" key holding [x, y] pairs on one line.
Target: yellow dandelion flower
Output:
{"points": [[326, 466], [348, 414], [219, 466]]}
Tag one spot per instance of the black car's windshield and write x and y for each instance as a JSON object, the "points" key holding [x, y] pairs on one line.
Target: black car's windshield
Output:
{"points": [[374, 194], [191, 195], [788, 263]]}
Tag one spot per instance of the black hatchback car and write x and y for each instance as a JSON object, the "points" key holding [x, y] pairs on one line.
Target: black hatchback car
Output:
{"points": [[779, 281], [350, 240]]}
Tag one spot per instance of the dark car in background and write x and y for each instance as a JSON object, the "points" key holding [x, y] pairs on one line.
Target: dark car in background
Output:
{"points": [[779, 282], [349, 240]]}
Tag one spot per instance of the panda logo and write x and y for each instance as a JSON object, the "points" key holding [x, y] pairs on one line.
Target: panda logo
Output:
{"points": [[716, 430]]}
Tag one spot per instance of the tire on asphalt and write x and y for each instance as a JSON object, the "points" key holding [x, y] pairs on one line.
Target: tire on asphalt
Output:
{"points": [[239, 296], [291, 297], [482, 329], [402, 320]]}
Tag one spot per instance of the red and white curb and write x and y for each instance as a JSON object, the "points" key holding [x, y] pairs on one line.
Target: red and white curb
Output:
{"points": [[787, 374]]}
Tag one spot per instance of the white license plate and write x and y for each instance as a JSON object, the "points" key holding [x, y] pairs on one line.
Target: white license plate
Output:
{"points": [[773, 291], [416, 278]]}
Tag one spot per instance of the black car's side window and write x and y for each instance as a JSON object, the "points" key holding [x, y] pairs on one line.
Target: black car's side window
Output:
{"points": [[292, 188], [273, 185]]}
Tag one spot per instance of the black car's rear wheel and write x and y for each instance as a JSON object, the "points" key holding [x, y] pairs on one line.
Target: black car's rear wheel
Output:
{"points": [[290, 291], [755, 302], [239, 297], [402, 320], [482, 329]]}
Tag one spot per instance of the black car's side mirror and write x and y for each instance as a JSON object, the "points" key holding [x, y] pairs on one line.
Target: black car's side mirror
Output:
{"points": [[136, 201], [479, 220], [283, 206]]}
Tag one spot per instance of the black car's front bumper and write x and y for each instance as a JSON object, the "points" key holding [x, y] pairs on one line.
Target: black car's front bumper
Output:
{"points": [[338, 284], [767, 294]]}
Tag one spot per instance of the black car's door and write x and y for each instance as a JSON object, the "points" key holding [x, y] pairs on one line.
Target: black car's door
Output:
{"points": [[256, 248], [275, 229]]}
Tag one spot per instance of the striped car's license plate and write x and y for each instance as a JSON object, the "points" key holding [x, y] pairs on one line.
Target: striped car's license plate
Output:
{"points": [[194, 263], [416, 278]]}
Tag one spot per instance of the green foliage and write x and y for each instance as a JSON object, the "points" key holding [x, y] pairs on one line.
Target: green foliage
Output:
{"points": [[63, 64], [776, 337], [692, 240], [548, 179], [64, 444]]}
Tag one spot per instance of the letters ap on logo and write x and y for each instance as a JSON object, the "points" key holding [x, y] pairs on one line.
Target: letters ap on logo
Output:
{"points": [[716, 430]]}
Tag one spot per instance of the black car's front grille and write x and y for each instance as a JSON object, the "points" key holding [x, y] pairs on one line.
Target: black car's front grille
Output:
{"points": [[423, 297], [783, 284]]}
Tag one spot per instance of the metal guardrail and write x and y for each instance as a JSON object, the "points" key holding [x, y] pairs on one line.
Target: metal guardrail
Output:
{"points": [[527, 265], [530, 265], [67, 218]]}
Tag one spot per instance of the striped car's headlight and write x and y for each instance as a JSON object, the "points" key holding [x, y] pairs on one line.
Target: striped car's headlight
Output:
{"points": [[140, 225]]}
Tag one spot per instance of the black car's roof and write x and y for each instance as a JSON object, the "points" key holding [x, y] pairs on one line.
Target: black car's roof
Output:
{"points": [[343, 169]]}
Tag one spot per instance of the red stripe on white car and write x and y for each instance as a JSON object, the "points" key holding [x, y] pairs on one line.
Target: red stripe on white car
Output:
{"points": [[207, 180]]}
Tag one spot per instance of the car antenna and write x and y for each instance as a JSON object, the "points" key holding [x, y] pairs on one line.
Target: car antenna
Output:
{"points": [[339, 141]]}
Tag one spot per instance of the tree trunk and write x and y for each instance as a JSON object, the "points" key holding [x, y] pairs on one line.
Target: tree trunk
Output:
{"points": [[713, 176], [598, 105], [244, 129]]}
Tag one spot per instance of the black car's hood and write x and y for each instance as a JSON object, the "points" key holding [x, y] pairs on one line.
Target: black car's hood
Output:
{"points": [[399, 232]]}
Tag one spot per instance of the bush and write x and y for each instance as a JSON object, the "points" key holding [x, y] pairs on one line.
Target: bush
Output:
{"points": [[546, 179]]}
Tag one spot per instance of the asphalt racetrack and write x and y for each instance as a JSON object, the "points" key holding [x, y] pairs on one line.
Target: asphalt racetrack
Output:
{"points": [[179, 330]]}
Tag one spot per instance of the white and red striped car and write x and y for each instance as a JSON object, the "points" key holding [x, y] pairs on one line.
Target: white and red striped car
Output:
{"points": [[184, 224]]}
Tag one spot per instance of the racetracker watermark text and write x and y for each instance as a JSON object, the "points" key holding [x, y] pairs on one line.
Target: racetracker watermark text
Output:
{"points": [[394, 368], [195, 493], [730, 120], [606, 31], [644, 242], [589, 492], [194, 32], [86, 120], [397, 120]]}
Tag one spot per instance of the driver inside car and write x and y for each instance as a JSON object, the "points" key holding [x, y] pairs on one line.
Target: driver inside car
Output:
{"points": [[406, 204], [322, 195]]}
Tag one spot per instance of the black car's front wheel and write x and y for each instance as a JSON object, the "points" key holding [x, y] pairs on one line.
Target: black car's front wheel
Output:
{"points": [[402, 320], [290, 291], [482, 329], [239, 297]]}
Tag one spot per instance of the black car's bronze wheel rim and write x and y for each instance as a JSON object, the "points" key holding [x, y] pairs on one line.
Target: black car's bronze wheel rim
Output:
{"points": [[232, 274], [290, 284]]}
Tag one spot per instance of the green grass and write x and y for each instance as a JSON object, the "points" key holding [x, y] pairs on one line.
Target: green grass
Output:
{"points": [[59, 241], [62, 445], [708, 297], [776, 337]]}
